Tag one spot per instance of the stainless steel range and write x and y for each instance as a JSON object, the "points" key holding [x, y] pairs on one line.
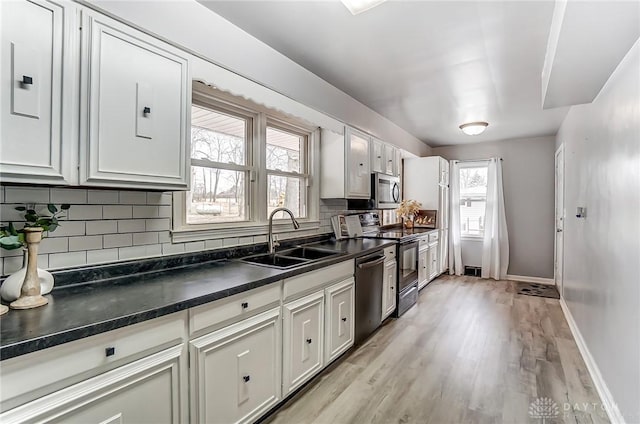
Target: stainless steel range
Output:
{"points": [[406, 252]]}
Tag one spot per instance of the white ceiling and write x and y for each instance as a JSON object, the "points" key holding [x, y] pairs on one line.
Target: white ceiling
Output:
{"points": [[429, 66]]}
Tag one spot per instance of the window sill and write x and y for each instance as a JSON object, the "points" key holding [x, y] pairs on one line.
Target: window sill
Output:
{"points": [[245, 230]]}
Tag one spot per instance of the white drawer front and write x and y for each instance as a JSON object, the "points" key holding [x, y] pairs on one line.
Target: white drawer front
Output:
{"points": [[318, 279], [29, 376], [238, 306]]}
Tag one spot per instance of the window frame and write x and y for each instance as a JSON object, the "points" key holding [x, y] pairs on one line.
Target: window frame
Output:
{"points": [[256, 184], [471, 164]]}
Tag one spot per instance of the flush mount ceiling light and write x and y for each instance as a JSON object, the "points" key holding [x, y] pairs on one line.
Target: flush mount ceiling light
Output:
{"points": [[474, 128], [359, 6]]}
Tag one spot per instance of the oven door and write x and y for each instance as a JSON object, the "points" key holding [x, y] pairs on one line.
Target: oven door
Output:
{"points": [[387, 191], [407, 264]]}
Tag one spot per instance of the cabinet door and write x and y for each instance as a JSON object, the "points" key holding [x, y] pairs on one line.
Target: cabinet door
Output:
{"points": [[144, 391], [389, 288], [444, 171], [339, 324], [444, 250], [137, 97], [389, 159], [397, 170], [35, 141], [302, 340], [433, 261], [359, 179], [443, 212], [423, 267], [235, 371], [377, 156]]}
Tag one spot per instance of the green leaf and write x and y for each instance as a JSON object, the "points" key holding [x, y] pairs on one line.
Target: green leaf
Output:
{"points": [[10, 242], [52, 208], [65, 206], [31, 212], [22, 238], [31, 218], [20, 208], [12, 230], [52, 227]]}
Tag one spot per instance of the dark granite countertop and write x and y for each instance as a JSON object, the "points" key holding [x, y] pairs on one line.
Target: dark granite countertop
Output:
{"points": [[82, 310]]}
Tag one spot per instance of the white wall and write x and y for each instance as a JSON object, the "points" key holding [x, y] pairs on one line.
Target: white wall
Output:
{"points": [[219, 41], [528, 169], [602, 252]]}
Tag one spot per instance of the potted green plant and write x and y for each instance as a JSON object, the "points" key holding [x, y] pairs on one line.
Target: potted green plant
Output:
{"points": [[25, 287]]}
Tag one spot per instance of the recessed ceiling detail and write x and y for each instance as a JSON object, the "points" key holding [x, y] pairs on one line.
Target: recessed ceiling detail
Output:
{"points": [[426, 65]]}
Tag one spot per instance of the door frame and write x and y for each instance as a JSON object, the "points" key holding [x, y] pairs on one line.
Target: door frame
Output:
{"points": [[558, 216]]}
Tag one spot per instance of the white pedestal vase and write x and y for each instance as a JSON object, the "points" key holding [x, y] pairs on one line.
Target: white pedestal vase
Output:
{"points": [[10, 289], [30, 294]]}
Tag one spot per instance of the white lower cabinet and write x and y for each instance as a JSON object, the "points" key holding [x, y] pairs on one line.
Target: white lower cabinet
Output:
{"points": [[235, 371], [434, 266], [303, 336], [339, 319], [423, 267], [389, 288]]}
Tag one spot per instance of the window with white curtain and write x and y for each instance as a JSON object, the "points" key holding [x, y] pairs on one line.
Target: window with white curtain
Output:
{"points": [[473, 198]]}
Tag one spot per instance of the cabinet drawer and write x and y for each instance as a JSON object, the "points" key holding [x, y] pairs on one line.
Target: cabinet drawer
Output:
{"points": [[314, 280], [236, 307], [27, 377], [117, 396], [390, 253], [433, 237]]}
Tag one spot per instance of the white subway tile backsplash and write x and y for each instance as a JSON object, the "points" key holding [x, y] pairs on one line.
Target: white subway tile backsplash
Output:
{"points": [[54, 245], [171, 249], [26, 195], [133, 197], [102, 255], [101, 227], [85, 243], [245, 240], [62, 260], [164, 211], [196, 246], [213, 244], [68, 228], [1, 200], [117, 211], [229, 242], [102, 197], [164, 237], [160, 224], [154, 198], [145, 238], [131, 226], [85, 212], [68, 195], [8, 213], [43, 261], [117, 240], [146, 211], [260, 239], [132, 252]]}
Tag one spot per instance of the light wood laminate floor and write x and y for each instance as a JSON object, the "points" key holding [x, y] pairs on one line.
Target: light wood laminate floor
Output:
{"points": [[470, 351]]}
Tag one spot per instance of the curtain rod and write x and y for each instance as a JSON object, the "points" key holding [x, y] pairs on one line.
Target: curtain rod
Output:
{"points": [[475, 160]]}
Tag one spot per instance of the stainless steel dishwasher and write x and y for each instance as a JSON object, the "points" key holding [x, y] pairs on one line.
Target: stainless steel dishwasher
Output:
{"points": [[369, 274]]}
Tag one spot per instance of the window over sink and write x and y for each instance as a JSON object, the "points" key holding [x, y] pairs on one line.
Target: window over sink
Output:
{"points": [[246, 160]]}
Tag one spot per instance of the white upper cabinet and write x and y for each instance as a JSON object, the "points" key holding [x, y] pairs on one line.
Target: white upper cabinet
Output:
{"points": [[37, 86], [378, 162], [389, 159], [137, 97], [345, 165]]}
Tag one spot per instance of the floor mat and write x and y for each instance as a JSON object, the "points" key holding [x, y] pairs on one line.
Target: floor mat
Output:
{"points": [[542, 290]]}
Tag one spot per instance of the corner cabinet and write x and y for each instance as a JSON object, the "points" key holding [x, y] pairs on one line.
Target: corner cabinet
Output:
{"points": [[37, 106], [235, 371], [135, 102], [345, 165]]}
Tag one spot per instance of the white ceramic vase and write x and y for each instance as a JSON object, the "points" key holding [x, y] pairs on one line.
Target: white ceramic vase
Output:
{"points": [[10, 289]]}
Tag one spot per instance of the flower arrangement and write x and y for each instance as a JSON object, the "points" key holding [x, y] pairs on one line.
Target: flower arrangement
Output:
{"points": [[408, 209], [11, 238]]}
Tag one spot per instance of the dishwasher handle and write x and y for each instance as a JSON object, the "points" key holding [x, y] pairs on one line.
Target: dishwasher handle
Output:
{"points": [[369, 264]]}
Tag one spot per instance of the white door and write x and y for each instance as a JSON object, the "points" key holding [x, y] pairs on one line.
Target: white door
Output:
{"points": [[389, 159], [423, 267], [377, 156], [389, 288], [359, 179], [559, 241]]}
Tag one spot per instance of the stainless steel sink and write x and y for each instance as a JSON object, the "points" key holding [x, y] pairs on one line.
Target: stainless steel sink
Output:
{"points": [[290, 258]]}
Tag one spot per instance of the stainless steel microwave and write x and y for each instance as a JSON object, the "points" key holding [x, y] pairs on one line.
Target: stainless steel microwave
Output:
{"points": [[385, 191]]}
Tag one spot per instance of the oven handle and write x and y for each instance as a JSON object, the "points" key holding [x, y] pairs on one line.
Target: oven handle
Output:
{"points": [[371, 264]]}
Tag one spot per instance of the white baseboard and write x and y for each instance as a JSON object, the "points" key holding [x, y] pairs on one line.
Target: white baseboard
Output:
{"points": [[601, 387], [527, 279]]}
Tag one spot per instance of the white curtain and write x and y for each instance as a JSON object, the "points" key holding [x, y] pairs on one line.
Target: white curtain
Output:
{"points": [[495, 244], [455, 246]]}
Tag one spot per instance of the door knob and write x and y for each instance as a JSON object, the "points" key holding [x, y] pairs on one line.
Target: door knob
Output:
{"points": [[146, 110], [344, 319], [245, 305], [309, 341], [246, 378], [558, 230], [27, 80]]}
